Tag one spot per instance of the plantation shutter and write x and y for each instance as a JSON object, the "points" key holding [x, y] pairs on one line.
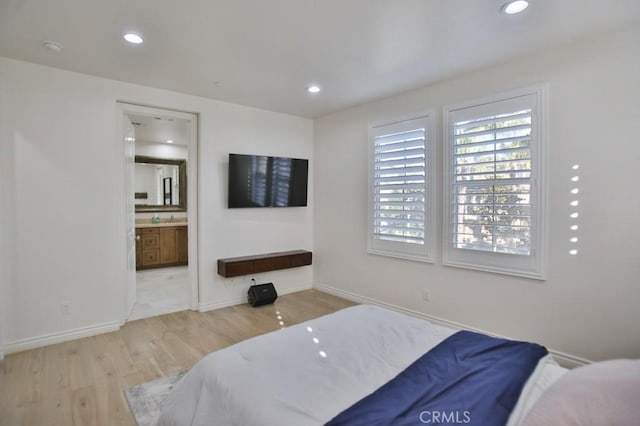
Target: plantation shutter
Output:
{"points": [[492, 181], [399, 186], [494, 212], [400, 190]]}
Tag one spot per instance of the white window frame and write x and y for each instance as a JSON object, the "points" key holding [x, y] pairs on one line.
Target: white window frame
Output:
{"points": [[410, 251], [529, 266]]}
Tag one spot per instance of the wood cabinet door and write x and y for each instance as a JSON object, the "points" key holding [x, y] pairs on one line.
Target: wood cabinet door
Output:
{"points": [[183, 245], [168, 245]]}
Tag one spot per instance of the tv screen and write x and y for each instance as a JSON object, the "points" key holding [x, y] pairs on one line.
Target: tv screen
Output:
{"points": [[261, 181]]}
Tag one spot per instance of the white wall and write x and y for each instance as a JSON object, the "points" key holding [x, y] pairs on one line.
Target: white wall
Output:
{"points": [[7, 212], [588, 307], [59, 130]]}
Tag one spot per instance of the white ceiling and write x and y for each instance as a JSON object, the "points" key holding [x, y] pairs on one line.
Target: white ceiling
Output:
{"points": [[264, 53]]}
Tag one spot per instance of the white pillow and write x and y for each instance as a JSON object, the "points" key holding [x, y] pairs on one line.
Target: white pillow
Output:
{"points": [[599, 394]]}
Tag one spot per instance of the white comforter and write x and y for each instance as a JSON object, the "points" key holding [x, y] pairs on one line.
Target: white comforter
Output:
{"points": [[305, 374]]}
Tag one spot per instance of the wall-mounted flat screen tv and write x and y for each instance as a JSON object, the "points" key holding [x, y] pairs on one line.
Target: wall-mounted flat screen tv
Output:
{"points": [[261, 181]]}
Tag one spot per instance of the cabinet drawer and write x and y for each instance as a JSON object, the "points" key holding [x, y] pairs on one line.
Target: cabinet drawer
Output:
{"points": [[301, 259], [150, 257], [271, 264], [150, 241], [145, 231], [239, 268]]}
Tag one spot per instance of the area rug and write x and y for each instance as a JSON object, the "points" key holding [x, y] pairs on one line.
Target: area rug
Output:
{"points": [[146, 400]]}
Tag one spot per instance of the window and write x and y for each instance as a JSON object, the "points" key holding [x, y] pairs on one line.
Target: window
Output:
{"points": [[400, 189], [494, 191]]}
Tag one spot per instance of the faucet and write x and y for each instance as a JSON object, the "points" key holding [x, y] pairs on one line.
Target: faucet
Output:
{"points": [[171, 219]]}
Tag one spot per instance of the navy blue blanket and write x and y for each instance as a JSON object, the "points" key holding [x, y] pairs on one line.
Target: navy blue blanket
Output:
{"points": [[468, 378]]}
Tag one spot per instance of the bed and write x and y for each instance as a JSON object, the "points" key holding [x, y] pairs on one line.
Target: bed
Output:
{"points": [[310, 373]]}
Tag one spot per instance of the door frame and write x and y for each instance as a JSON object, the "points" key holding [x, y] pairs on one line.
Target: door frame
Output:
{"points": [[125, 107]]}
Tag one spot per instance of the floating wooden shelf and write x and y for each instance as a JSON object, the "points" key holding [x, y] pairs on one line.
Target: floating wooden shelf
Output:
{"points": [[246, 265]]}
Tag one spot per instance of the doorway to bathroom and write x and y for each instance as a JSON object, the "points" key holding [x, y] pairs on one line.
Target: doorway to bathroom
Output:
{"points": [[160, 158]]}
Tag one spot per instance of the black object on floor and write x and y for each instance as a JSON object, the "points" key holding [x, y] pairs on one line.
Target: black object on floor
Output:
{"points": [[262, 294]]}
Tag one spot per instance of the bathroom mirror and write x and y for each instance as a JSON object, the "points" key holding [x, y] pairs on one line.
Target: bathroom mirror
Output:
{"points": [[160, 184]]}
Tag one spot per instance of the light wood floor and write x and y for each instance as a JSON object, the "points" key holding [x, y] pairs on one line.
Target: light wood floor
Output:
{"points": [[81, 382]]}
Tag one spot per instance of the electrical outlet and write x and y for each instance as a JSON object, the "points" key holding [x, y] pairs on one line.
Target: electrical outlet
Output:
{"points": [[65, 309], [426, 295]]}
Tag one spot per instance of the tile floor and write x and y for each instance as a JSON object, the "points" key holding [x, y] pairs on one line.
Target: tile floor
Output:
{"points": [[161, 291]]}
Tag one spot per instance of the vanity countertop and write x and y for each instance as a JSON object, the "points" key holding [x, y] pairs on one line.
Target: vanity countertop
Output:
{"points": [[160, 225]]}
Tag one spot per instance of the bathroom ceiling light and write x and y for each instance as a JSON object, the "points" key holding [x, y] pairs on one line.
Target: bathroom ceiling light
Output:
{"points": [[169, 141], [515, 6], [133, 38], [313, 89]]}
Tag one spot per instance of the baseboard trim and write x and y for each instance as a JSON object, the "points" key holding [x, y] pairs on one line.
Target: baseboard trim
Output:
{"points": [[64, 336], [205, 307], [564, 359]]}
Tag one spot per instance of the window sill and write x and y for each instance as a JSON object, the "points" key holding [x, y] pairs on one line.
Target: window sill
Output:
{"points": [[413, 257], [497, 270]]}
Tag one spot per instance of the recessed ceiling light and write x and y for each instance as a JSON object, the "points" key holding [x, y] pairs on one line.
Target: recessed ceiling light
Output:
{"points": [[313, 89], [169, 141], [133, 38], [515, 6], [54, 46]]}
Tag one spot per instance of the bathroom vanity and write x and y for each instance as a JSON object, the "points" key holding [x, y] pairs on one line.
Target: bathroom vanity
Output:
{"points": [[159, 245]]}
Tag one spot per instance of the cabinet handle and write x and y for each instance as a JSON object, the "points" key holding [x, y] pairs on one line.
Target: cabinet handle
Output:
{"points": [[138, 237]]}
